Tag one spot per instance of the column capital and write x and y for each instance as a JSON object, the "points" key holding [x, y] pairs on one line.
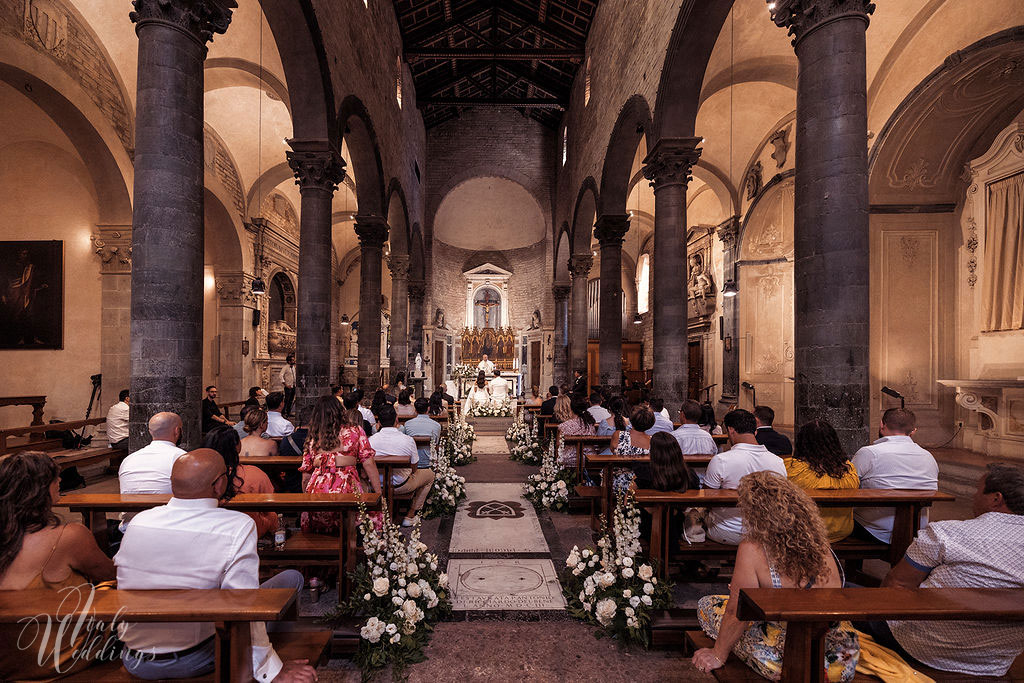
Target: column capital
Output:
{"points": [[801, 17], [671, 161], [316, 169], [371, 230], [399, 267], [728, 230], [417, 290], [580, 265], [561, 292], [113, 246], [611, 229], [199, 19]]}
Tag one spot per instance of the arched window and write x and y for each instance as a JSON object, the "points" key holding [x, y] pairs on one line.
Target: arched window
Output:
{"points": [[586, 83], [398, 81], [643, 283], [565, 144]]}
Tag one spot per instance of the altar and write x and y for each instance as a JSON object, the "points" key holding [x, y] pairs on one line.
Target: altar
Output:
{"points": [[513, 377]]}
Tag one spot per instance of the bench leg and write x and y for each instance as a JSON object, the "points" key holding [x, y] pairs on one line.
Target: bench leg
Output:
{"points": [[659, 533], [805, 653], [904, 526], [233, 662]]}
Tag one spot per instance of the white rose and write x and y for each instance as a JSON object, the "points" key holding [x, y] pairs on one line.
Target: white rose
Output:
{"points": [[412, 569], [631, 622], [393, 567], [645, 572], [380, 587], [627, 562], [605, 611], [442, 579], [630, 611], [646, 599], [648, 588], [409, 609], [391, 629], [586, 606], [561, 484], [369, 634], [605, 579], [627, 572], [586, 552], [397, 600], [401, 581], [634, 601], [395, 638], [366, 597], [377, 571], [626, 593], [589, 590], [414, 590]]}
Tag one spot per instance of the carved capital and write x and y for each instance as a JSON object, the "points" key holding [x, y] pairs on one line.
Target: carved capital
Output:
{"points": [[561, 292], [611, 229], [671, 161], [372, 231], [417, 290], [199, 19], [801, 17], [728, 231], [399, 267], [114, 249], [580, 265], [317, 170]]}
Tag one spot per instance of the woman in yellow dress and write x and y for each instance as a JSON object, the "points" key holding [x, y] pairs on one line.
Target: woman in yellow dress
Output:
{"points": [[819, 462]]}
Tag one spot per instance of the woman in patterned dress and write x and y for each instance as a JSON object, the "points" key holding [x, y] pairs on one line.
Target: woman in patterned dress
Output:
{"points": [[581, 424], [785, 545], [335, 445]]}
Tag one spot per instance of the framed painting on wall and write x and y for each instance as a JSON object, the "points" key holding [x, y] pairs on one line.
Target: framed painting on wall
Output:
{"points": [[31, 294]]}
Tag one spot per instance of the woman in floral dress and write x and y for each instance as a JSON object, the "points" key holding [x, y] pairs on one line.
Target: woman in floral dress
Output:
{"points": [[335, 445], [582, 424]]}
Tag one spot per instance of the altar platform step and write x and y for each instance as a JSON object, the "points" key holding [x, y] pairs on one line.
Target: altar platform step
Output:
{"points": [[490, 425]]}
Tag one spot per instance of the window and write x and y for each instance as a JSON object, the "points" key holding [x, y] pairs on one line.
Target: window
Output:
{"points": [[565, 144], [586, 82], [643, 283], [398, 81]]}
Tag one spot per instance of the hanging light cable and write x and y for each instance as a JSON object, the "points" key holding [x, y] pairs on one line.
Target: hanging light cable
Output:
{"points": [[258, 286], [637, 320], [730, 288]]}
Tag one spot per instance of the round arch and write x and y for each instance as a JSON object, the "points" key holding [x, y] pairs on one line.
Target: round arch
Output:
{"points": [[584, 214], [563, 250], [230, 72], [398, 218], [632, 125], [361, 140]]}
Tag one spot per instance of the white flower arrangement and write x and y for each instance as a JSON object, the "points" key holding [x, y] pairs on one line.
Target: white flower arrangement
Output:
{"points": [[448, 488], [459, 442], [612, 587], [526, 445], [400, 593], [549, 488], [464, 371], [489, 409]]}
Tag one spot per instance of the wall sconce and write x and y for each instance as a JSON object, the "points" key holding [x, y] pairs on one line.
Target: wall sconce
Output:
{"points": [[245, 348], [258, 287], [344, 319], [728, 343]]}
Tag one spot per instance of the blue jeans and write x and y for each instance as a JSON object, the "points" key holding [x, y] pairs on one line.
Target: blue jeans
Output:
{"points": [[201, 661]]}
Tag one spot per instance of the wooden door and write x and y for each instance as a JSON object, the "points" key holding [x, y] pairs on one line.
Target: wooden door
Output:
{"points": [[439, 363], [593, 364], [696, 372], [534, 366]]}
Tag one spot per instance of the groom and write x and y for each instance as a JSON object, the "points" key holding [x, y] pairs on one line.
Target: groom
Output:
{"points": [[498, 387]]}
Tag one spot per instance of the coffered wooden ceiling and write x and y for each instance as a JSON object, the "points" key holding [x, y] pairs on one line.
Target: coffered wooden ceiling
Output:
{"points": [[520, 54]]}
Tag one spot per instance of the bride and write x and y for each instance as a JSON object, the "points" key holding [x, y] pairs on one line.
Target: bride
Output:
{"points": [[499, 389], [480, 395]]}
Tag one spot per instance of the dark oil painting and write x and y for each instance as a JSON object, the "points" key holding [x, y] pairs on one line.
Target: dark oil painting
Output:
{"points": [[32, 295]]}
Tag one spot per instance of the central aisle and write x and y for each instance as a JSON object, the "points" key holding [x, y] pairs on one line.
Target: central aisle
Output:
{"points": [[498, 558]]}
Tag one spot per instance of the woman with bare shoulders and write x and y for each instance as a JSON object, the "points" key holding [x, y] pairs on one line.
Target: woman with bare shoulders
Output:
{"points": [[38, 551], [785, 545], [254, 445]]}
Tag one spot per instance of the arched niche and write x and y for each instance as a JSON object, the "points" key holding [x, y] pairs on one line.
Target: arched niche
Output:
{"points": [[281, 315]]}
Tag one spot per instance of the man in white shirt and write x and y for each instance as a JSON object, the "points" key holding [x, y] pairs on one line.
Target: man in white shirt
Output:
{"points": [[148, 470], [725, 525], [117, 422], [287, 378], [486, 365], [499, 388], [191, 543], [599, 412], [418, 479], [692, 439], [894, 461], [662, 422], [277, 426]]}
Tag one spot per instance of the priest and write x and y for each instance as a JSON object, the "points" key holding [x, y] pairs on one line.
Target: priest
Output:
{"points": [[486, 365]]}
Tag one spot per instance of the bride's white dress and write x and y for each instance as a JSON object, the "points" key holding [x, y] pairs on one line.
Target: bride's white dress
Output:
{"points": [[499, 390], [476, 397]]}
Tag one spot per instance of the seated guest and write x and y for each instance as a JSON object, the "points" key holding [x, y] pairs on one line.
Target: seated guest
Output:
{"points": [[691, 438], [708, 421], [277, 425], [435, 405], [767, 436], [634, 439], [662, 421], [39, 552], [239, 426], [443, 397], [419, 479], [820, 463], [117, 422], [148, 470], [617, 420], [984, 552], [191, 542], [784, 545], [563, 409], [380, 398], [254, 445], [894, 461], [580, 424], [242, 478], [211, 411], [350, 403], [404, 407], [255, 394], [422, 425], [336, 391], [334, 446], [667, 470], [599, 412], [290, 481], [534, 398], [725, 525], [400, 382], [367, 414], [548, 407]]}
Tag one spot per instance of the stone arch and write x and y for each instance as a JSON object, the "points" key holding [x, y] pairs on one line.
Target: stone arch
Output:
{"points": [[398, 218], [361, 139], [417, 254], [223, 314], [682, 77], [583, 216], [265, 184], [229, 72], [563, 250], [632, 125]]}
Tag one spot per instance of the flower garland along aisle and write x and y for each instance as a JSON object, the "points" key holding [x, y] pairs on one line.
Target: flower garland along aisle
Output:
{"points": [[399, 592], [503, 409], [612, 587], [526, 446], [549, 488], [459, 443], [448, 488]]}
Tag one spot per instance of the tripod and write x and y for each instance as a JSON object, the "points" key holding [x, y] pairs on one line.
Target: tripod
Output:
{"points": [[97, 390]]}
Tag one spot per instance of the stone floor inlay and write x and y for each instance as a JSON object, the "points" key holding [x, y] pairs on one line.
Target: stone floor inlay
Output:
{"points": [[505, 585], [495, 518]]}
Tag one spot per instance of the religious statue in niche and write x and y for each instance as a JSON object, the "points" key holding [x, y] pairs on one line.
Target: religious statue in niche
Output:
{"points": [[700, 283], [535, 320], [439, 322], [487, 308], [280, 337]]}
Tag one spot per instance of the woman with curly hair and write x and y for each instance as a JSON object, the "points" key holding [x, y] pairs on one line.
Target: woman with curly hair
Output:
{"points": [[819, 462], [581, 423], [335, 445], [785, 545], [37, 551], [562, 412]]}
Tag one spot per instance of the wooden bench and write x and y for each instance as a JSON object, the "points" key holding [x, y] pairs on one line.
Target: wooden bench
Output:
{"points": [[64, 457], [809, 613], [907, 505], [37, 403], [605, 462], [301, 549], [231, 610], [226, 408]]}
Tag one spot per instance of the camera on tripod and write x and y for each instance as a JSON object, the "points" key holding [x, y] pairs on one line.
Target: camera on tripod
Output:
{"points": [[97, 378]]}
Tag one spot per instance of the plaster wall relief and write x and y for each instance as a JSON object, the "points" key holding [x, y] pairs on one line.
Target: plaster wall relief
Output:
{"points": [[769, 230], [771, 163], [766, 330], [218, 162]]}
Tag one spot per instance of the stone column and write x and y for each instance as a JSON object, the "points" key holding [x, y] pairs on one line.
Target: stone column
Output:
{"points": [[167, 221], [610, 231], [668, 167], [579, 269], [561, 364], [831, 270], [728, 232], [318, 170], [373, 233], [113, 246], [399, 266]]}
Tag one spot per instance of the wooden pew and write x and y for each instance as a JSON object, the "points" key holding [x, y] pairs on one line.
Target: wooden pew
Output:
{"points": [[906, 503], [301, 549], [37, 403], [64, 457], [607, 461], [226, 408], [231, 610], [809, 613]]}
